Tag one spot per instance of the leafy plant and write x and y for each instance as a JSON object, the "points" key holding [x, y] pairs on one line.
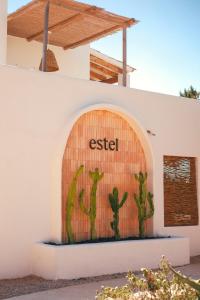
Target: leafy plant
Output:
{"points": [[195, 284], [71, 196], [190, 93], [96, 176], [144, 202], [115, 205], [165, 284]]}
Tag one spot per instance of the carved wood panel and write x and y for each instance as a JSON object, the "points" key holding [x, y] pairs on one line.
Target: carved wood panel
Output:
{"points": [[180, 191]]}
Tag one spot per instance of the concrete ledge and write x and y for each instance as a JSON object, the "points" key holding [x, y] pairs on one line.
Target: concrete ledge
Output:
{"points": [[87, 260]]}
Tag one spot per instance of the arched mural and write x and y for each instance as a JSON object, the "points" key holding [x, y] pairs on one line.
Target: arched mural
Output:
{"points": [[103, 139]]}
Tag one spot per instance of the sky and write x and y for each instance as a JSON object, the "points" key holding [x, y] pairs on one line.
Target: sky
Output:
{"points": [[164, 46]]}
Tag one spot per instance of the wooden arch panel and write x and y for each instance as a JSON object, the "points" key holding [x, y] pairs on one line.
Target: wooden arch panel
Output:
{"points": [[118, 165]]}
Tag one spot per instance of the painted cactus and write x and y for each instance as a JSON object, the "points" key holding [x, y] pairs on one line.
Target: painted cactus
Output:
{"points": [[96, 176], [144, 202], [71, 196], [116, 205]]}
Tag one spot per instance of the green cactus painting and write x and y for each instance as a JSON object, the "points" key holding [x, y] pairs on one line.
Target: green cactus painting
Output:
{"points": [[144, 202], [96, 176], [116, 205], [71, 197]]}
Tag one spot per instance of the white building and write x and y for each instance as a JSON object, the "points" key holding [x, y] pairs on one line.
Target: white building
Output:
{"points": [[40, 111]]}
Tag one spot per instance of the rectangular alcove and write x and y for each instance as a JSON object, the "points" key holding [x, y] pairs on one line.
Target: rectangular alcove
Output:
{"points": [[180, 191]]}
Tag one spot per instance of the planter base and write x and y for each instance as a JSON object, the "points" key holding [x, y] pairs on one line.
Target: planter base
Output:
{"points": [[87, 260]]}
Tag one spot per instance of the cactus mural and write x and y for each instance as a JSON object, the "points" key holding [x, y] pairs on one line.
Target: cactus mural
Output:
{"points": [[144, 202], [96, 176], [115, 205], [71, 196]]}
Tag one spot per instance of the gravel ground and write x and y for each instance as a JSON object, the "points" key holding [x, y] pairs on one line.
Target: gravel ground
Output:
{"points": [[32, 284]]}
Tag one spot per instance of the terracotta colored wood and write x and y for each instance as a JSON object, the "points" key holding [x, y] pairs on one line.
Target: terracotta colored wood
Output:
{"points": [[73, 23], [102, 62], [63, 24], [24, 10], [118, 167], [180, 191], [107, 67], [76, 6], [93, 37], [102, 70], [96, 76], [111, 80]]}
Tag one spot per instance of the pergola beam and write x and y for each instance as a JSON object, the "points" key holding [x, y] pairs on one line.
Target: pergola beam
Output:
{"points": [[105, 64], [111, 18], [97, 76], [24, 9], [63, 24], [103, 70], [92, 37], [111, 80], [55, 27]]}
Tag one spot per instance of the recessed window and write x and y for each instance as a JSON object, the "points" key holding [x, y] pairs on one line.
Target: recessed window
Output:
{"points": [[180, 191]]}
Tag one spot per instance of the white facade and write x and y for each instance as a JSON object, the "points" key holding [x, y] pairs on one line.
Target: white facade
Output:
{"points": [[73, 63], [3, 31], [37, 113]]}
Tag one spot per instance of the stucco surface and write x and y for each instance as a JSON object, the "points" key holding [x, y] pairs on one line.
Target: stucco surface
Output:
{"points": [[74, 63], [37, 113]]}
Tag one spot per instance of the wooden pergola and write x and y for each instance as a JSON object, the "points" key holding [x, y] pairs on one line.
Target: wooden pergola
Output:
{"points": [[67, 24], [106, 69]]}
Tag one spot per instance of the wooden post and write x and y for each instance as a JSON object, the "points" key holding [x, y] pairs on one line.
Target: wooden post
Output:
{"points": [[45, 37], [124, 57]]}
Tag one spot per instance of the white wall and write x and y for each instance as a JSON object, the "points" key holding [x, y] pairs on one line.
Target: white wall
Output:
{"points": [[82, 261], [3, 31], [37, 112], [74, 63]]}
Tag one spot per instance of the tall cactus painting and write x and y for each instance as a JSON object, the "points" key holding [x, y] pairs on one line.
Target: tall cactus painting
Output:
{"points": [[144, 202], [96, 176], [116, 205], [71, 197]]}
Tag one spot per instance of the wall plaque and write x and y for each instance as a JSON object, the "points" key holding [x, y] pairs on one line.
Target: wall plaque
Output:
{"points": [[180, 191], [104, 144]]}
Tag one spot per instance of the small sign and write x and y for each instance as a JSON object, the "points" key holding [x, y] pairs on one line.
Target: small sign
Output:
{"points": [[182, 218], [104, 144]]}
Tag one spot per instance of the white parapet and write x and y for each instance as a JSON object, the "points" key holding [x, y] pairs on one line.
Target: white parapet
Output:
{"points": [[87, 260], [3, 31]]}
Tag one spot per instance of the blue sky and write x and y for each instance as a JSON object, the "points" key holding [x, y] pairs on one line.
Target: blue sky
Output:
{"points": [[164, 47]]}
